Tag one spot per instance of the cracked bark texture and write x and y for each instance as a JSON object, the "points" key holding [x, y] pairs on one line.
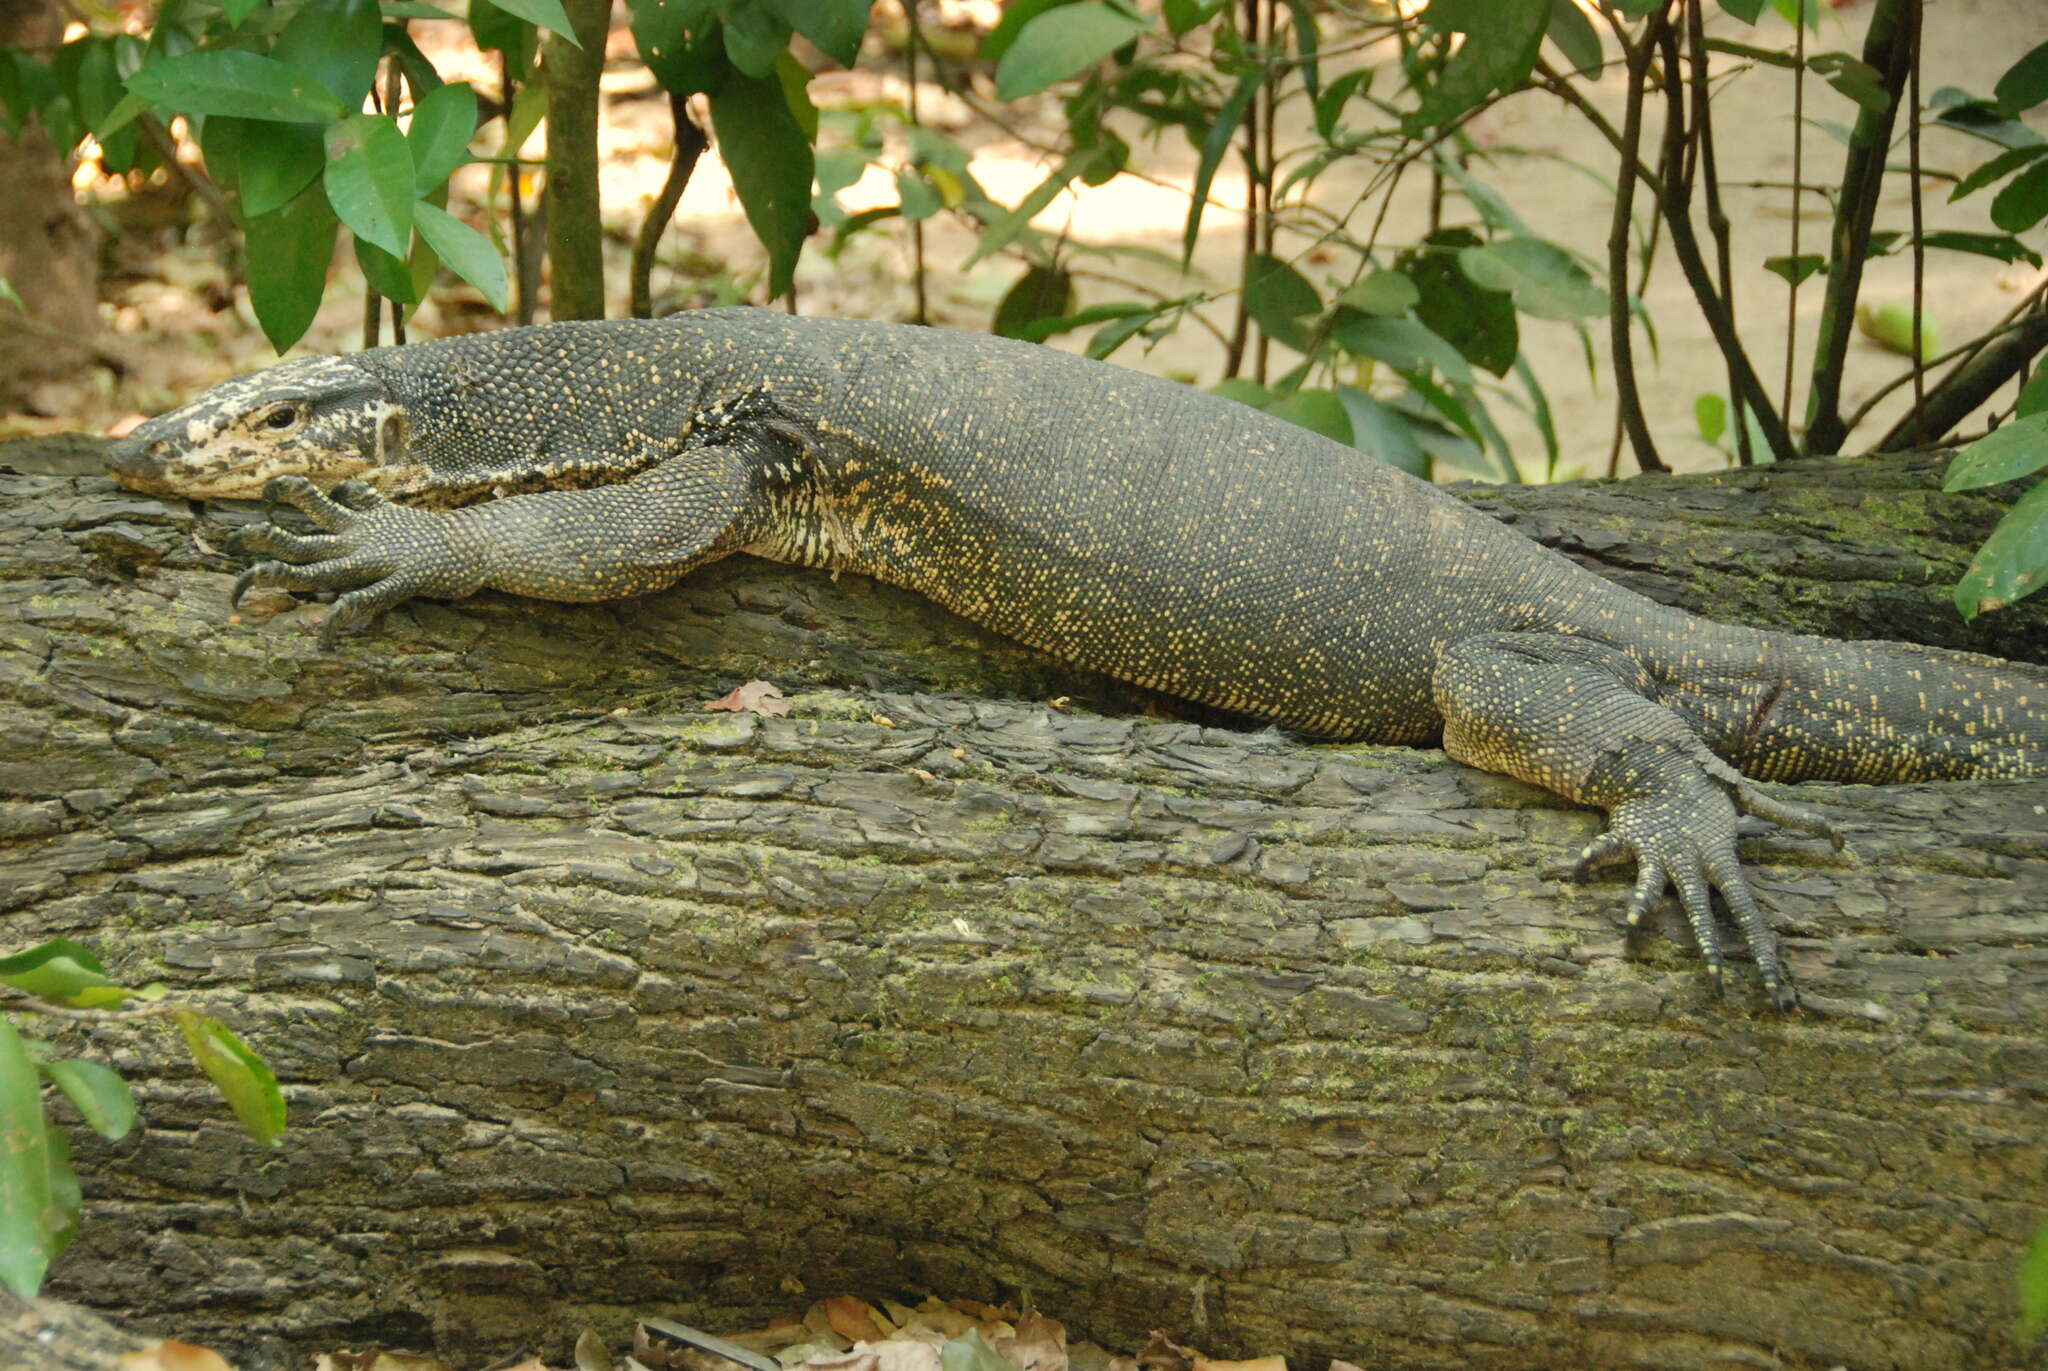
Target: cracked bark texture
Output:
{"points": [[588, 1003]]}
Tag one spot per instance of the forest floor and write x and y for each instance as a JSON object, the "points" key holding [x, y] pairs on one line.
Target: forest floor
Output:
{"points": [[176, 317]]}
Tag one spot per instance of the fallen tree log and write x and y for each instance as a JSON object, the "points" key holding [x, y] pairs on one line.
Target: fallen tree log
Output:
{"points": [[589, 1003]]}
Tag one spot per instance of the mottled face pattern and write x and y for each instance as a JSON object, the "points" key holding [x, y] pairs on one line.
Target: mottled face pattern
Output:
{"points": [[318, 417]]}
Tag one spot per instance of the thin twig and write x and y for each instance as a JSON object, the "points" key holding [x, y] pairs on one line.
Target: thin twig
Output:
{"points": [[1685, 246], [1619, 324], [1884, 48], [392, 91], [916, 225], [1919, 247], [1717, 216], [513, 175], [1240, 326], [689, 143], [2012, 320], [1798, 182]]}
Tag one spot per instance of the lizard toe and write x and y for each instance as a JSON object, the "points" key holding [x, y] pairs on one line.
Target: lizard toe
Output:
{"points": [[307, 498]]}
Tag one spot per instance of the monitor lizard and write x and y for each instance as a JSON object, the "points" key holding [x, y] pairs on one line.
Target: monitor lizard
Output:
{"points": [[1133, 525]]}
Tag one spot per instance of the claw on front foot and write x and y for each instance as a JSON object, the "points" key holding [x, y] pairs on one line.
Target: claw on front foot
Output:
{"points": [[1685, 839]]}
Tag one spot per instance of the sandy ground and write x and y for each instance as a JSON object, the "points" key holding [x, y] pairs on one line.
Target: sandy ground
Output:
{"points": [[1547, 162]]}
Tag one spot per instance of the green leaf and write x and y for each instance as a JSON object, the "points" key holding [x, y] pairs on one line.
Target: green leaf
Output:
{"points": [[289, 250], [1332, 99], [1997, 169], [1577, 39], [1383, 292], [275, 162], [443, 122], [1796, 269], [999, 231], [1710, 416], [2002, 246], [369, 179], [468, 253], [1245, 392], [237, 10], [1382, 433], [1115, 334], [835, 26], [769, 159], [1183, 16], [62, 972], [391, 277], [754, 36], [1041, 293], [1043, 329], [2013, 563], [1545, 280], [1215, 143], [1501, 39], [1858, 80], [1965, 113], [1402, 344], [339, 43], [545, 14], [1480, 323], [419, 73], [2007, 453], [1280, 298], [238, 1073], [101, 1097], [2033, 396], [28, 1218], [918, 198], [1016, 14], [1890, 326], [2024, 201], [1053, 47], [685, 53], [501, 31], [2025, 83], [244, 84], [1745, 10], [1319, 411]]}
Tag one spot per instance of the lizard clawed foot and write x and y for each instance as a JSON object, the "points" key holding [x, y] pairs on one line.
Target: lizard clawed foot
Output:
{"points": [[1683, 835], [379, 553]]}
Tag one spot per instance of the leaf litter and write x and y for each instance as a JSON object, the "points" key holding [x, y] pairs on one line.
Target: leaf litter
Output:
{"points": [[847, 1333]]}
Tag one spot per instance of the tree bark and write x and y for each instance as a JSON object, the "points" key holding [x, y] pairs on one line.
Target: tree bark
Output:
{"points": [[589, 1003], [575, 234]]}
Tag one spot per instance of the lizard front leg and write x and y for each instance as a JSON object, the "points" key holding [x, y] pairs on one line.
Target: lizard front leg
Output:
{"points": [[1577, 717], [624, 539]]}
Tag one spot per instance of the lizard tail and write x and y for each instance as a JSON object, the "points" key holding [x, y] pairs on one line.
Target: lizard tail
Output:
{"points": [[1878, 712]]}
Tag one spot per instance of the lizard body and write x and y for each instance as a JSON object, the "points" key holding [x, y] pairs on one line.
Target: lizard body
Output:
{"points": [[1132, 525]]}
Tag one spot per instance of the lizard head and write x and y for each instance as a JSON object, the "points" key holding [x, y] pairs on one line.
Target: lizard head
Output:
{"points": [[317, 417]]}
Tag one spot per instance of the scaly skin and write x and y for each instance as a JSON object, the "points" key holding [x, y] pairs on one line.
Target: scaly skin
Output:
{"points": [[1129, 524]]}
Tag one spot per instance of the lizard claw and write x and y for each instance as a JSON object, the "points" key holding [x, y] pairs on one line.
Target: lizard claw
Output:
{"points": [[1685, 838], [378, 552]]}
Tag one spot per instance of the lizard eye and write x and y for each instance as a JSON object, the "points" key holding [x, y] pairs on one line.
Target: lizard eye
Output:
{"points": [[283, 417]]}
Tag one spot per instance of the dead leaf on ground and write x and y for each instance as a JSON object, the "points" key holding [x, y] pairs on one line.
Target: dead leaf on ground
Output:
{"points": [[1164, 1354], [853, 1318], [755, 697], [172, 1355], [1039, 1344], [1252, 1364], [906, 1354]]}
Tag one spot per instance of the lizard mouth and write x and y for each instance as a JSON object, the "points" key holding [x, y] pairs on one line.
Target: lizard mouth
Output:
{"points": [[143, 466]]}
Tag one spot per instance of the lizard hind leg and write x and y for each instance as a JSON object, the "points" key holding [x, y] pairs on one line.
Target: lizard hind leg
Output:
{"points": [[1580, 718]]}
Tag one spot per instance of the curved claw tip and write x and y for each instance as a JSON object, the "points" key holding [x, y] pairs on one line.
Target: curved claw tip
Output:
{"points": [[1784, 998], [241, 587]]}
